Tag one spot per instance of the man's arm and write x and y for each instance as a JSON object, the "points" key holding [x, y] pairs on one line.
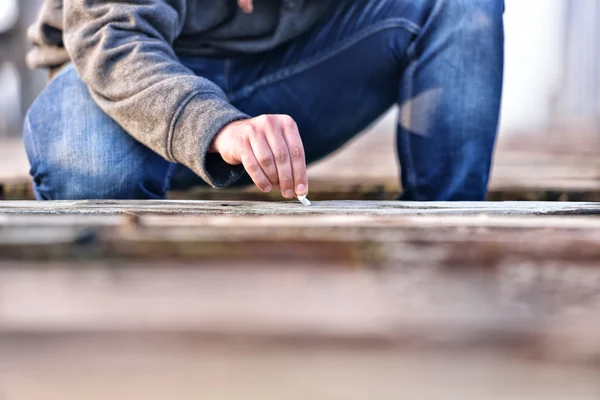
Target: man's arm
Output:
{"points": [[269, 147], [123, 52]]}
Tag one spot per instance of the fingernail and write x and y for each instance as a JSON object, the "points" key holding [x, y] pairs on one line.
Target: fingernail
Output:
{"points": [[268, 189], [301, 190], [289, 193]]}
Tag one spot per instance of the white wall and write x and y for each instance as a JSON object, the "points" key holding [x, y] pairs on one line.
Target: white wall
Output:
{"points": [[534, 62], [10, 106], [8, 14]]}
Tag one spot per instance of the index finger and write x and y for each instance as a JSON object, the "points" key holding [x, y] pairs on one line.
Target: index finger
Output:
{"points": [[297, 156], [246, 5]]}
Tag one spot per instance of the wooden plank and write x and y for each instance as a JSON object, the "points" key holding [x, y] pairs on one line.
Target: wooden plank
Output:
{"points": [[547, 314], [355, 233], [417, 248], [156, 369], [342, 300], [382, 208], [503, 278], [516, 261]]}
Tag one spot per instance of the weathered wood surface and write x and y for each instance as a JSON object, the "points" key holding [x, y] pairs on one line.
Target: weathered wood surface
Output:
{"points": [[361, 233], [245, 208], [537, 261], [141, 369], [547, 313], [343, 300], [288, 331]]}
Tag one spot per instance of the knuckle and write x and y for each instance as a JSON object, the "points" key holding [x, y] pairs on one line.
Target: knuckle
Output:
{"points": [[266, 120], [252, 168], [265, 160], [244, 151], [255, 135], [252, 130], [254, 171], [282, 156], [244, 137], [240, 142], [296, 153], [286, 182]]}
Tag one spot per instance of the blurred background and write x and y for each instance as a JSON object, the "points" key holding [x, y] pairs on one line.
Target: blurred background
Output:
{"points": [[551, 103]]}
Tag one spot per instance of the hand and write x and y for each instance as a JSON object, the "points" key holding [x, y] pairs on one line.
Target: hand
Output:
{"points": [[271, 150], [246, 5]]}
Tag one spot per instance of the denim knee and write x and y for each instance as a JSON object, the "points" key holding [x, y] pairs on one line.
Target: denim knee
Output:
{"points": [[77, 152], [475, 15]]}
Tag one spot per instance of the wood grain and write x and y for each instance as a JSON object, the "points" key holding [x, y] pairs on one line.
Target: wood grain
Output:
{"points": [[343, 300]]}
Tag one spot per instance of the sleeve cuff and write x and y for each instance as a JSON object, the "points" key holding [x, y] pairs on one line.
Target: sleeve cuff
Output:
{"points": [[201, 118]]}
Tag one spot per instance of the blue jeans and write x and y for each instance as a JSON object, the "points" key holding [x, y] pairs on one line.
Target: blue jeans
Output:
{"points": [[441, 61]]}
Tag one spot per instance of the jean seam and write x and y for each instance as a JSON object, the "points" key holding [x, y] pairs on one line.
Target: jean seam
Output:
{"points": [[169, 177], [36, 152], [405, 137], [324, 56], [35, 161], [67, 68], [227, 77]]}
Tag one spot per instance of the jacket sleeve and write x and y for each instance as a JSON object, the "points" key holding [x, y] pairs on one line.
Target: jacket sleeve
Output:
{"points": [[122, 49]]}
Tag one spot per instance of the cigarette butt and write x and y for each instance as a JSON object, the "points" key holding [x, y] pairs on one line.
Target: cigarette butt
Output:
{"points": [[304, 200]]}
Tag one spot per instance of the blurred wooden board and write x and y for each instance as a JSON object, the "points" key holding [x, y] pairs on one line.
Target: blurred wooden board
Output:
{"points": [[343, 300], [138, 369], [288, 331], [549, 313], [543, 256]]}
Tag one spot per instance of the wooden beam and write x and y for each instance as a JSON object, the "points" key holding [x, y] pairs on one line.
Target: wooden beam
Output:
{"points": [[355, 233], [383, 208]]}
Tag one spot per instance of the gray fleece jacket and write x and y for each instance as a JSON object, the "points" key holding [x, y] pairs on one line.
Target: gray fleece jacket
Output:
{"points": [[127, 54]]}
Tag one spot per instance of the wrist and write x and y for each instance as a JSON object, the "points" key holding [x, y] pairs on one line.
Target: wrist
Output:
{"points": [[215, 146], [213, 149]]}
